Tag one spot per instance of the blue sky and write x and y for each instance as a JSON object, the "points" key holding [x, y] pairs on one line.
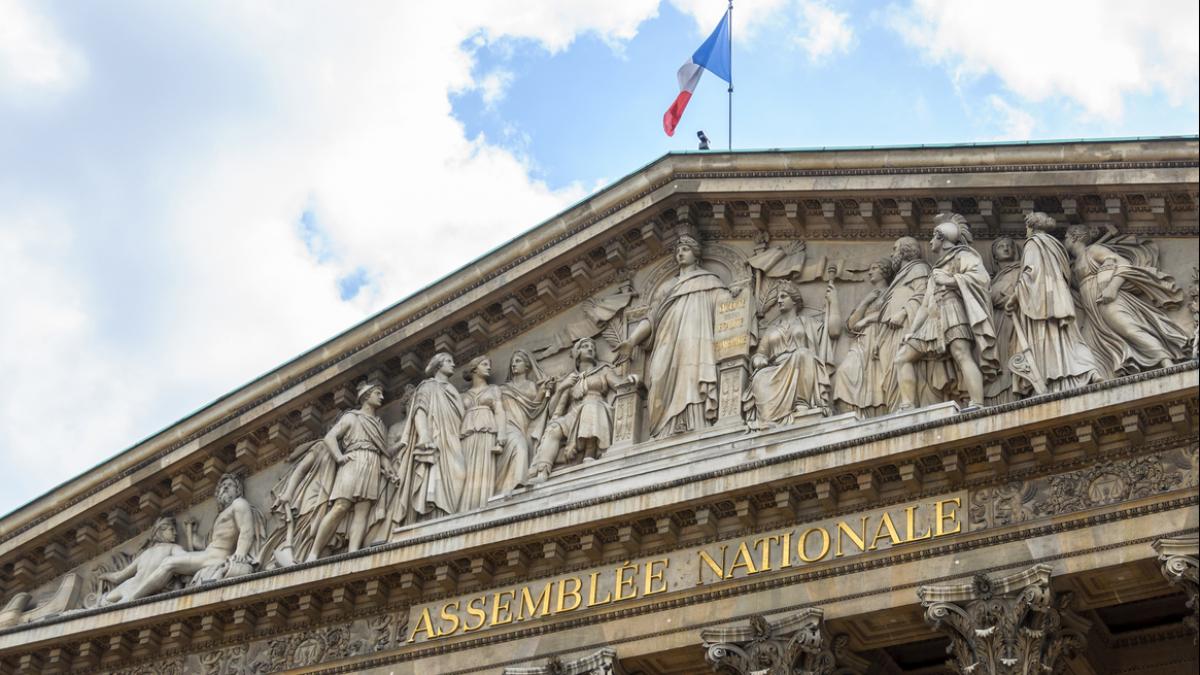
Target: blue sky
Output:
{"points": [[192, 193]]}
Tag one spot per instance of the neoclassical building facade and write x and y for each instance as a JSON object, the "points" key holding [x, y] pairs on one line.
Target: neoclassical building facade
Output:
{"points": [[865, 410]]}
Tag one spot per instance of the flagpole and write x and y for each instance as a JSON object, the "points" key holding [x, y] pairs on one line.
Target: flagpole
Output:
{"points": [[730, 116]]}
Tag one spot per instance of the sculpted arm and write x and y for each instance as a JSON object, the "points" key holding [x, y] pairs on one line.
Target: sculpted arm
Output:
{"points": [[501, 419], [117, 576], [833, 318], [331, 441]]}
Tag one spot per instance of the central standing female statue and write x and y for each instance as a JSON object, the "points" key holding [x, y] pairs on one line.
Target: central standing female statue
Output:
{"points": [[682, 368]]}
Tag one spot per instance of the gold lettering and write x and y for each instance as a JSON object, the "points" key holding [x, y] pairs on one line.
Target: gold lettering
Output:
{"points": [[885, 523], [764, 545], [424, 625], [574, 593], [528, 604], [452, 617], [476, 612], [747, 561], [802, 545], [859, 540], [622, 582], [732, 305], [652, 576], [942, 516], [592, 602], [910, 516], [730, 325], [785, 547], [717, 570], [500, 604]]}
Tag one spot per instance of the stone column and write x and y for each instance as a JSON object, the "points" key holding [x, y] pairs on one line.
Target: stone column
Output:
{"points": [[798, 645], [1014, 625], [1180, 557], [603, 662]]}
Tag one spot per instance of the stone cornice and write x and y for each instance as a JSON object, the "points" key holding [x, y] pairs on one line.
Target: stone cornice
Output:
{"points": [[553, 237]]}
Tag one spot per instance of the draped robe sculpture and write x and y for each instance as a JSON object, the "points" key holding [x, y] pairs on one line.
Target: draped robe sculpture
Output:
{"points": [[682, 369], [1006, 268], [484, 433], [1043, 314], [954, 325], [525, 397], [430, 467], [1124, 299], [858, 381], [900, 304], [791, 363]]}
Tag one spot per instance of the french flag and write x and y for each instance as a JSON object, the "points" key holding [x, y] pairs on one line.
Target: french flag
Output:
{"points": [[714, 56]]}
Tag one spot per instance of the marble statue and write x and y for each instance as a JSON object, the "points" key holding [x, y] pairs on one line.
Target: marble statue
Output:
{"points": [[526, 399], [484, 433], [858, 379], [954, 324], [162, 543], [358, 444], [899, 306], [791, 363], [233, 545], [430, 468], [301, 501], [582, 421], [681, 370], [1194, 308], [1006, 268], [1048, 352], [1124, 298]]}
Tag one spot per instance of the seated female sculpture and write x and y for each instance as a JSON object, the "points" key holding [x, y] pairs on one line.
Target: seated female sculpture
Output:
{"points": [[791, 362]]}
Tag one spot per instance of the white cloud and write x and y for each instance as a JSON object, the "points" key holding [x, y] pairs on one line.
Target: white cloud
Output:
{"points": [[749, 16], [1091, 52], [827, 32], [32, 55], [1016, 124], [494, 86], [150, 223]]}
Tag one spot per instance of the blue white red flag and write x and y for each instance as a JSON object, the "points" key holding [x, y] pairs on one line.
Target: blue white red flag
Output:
{"points": [[714, 56]]}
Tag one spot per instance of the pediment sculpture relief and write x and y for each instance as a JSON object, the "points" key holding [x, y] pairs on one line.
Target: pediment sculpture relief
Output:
{"points": [[720, 335]]}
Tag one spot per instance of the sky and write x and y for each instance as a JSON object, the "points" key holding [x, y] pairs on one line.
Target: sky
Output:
{"points": [[192, 193]]}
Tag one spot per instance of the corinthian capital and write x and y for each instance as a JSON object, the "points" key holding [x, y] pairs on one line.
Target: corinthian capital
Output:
{"points": [[603, 662], [798, 645], [1180, 558], [1013, 625]]}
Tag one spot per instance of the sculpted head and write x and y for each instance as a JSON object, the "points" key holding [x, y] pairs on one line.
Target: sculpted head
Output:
{"points": [[1038, 222], [164, 532], [905, 249], [442, 362], [687, 250], [1079, 236], [881, 271], [522, 363], [584, 350], [788, 297], [1004, 250], [229, 488], [479, 366], [370, 392], [951, 230]]}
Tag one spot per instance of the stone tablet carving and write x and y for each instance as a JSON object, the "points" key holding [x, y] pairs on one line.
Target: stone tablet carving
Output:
{"points": [[858, 382], [1124, 300], [358, 444], [682, 368], [954, 324], [791, 365], [582, 421]]}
